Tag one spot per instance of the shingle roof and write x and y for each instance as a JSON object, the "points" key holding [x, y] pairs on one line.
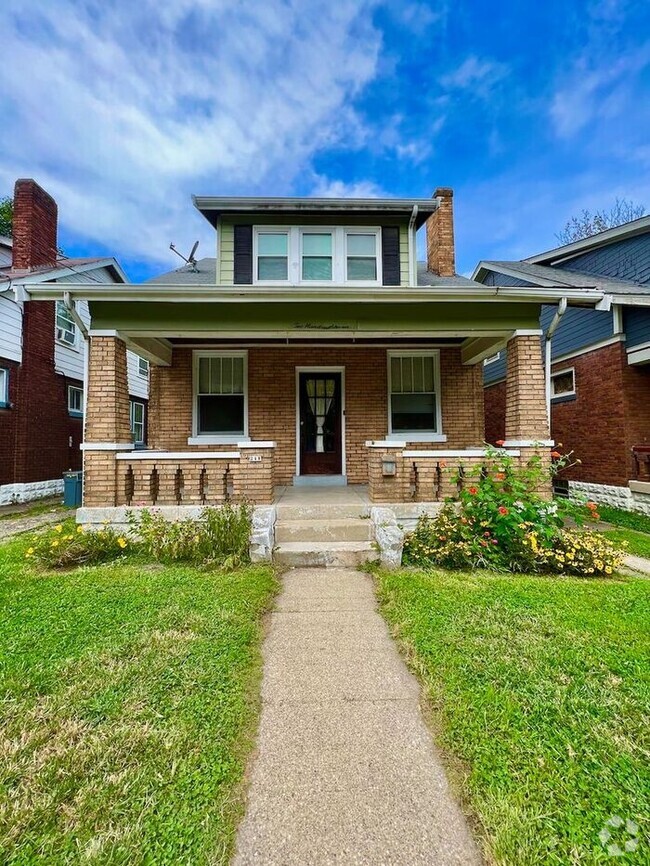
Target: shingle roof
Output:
{"points": [[563, 277], [428, 278], [205, 274], [22, 275]]}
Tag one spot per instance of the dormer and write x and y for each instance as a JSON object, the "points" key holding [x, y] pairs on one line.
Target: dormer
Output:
{"points": [[316, 242]]}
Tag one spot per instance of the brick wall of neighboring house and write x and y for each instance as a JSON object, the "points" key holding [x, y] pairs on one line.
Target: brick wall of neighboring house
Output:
{"points": [[272, 402], [41, 422], [8, 425], [610, 414]]}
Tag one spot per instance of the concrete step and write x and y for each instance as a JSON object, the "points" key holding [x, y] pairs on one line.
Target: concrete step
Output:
{"points": [[323, 554], [322, 511], [335, 529]]}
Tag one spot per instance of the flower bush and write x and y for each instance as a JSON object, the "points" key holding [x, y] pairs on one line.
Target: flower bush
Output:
{"points": [[501, 522], [220, 536], [64, 547]]}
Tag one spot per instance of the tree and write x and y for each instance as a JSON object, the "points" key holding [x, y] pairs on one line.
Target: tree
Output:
{"points": [[588, 223], [6, 216]]}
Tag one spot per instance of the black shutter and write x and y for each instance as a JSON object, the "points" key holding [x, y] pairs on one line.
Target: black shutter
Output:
{"points": [[390, 263], [243, 255]]}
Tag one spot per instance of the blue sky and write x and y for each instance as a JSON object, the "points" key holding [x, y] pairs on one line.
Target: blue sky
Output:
{"points": [[530, 111]]}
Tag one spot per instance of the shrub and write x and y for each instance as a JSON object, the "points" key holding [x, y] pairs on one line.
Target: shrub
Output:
{"points": [[63, 547], [220, 536], [501, 522]]}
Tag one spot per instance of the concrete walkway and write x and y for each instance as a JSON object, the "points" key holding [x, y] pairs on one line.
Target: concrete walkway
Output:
{"points": [[346, 771], [24, 523]]}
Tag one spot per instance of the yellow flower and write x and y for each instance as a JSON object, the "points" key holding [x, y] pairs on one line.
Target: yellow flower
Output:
{"points": [[30, 551], [59, 528], [122, 542], [54, 543], [80, 529], [608, 570]]}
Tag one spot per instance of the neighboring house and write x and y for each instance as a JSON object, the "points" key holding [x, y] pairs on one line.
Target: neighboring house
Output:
{"points": [[313, 350], [42, 353], [600, 360]]}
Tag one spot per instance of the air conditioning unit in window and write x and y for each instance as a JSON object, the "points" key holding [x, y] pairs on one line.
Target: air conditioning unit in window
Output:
{"points": [[65, 336]]}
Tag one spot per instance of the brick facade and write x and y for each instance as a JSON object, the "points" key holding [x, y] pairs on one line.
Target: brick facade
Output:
{"points": [[40, 438], [441, 257], [34, 226], [609, 414], [272, 402]]}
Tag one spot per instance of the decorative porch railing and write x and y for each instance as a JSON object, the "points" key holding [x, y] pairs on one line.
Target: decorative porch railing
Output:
{"points": [[186, 478]]}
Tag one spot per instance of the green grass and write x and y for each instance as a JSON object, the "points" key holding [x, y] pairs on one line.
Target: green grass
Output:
{"points": [[628, 519], [637, 543], [34, 510], [130, 697], [540, 696]]}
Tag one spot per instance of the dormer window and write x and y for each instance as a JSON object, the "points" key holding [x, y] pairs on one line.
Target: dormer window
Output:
{"points": [[316, 255], [272, 256]]}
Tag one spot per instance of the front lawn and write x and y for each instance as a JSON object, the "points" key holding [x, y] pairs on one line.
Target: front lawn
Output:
{"points": [[636, 543], [130, 697], [540, 696]]}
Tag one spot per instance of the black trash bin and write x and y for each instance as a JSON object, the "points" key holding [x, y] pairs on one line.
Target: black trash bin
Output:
{"points": [[72, 489]]}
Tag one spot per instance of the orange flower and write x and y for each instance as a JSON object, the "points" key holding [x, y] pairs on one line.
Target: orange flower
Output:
{"points": [[503, 510], [592, 506], [555, 455], [500, 476], [473, 491], [501, 442], [442, 464]]}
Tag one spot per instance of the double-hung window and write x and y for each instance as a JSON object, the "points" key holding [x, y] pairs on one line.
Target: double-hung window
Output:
{"points": [[317, 256], [75, 401], [136, 412], [220, 385], [414, 405], [66, 330], [4, 387], [272, 255], [143, 366], [361, 257]]}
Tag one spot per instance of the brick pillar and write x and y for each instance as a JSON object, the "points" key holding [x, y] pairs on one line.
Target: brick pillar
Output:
{"points": [[525, 391], [107, 420], [441, 258]]}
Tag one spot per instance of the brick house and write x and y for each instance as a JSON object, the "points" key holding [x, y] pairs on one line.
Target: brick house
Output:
{"points": [[312, 350], [599, 366], [42, 353]]}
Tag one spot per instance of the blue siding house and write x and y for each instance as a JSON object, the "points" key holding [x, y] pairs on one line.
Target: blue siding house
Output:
{"points": [[599, 371]]}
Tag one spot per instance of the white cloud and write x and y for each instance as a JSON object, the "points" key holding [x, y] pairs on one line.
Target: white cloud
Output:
{"points": [[122, 109], [479, 76], [327, 188]]}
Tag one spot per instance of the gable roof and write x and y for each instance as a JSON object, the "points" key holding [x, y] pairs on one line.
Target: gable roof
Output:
{"points": [[65, 267], [545, 275], [212, 207], [593, 242]]}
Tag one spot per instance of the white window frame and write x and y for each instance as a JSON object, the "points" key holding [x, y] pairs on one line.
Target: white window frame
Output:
{"points": [[59, 305], [416, 435], [73, 411], [4, 387], [571, 393], [339, 254], [132, 404], [143, 372], [213, 438]]}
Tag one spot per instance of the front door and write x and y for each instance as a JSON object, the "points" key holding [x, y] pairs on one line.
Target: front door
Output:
{"points": [[319, 398]]}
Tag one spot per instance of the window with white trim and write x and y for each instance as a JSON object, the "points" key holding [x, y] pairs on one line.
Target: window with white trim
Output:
{"points": [[220, 382], [75, 401], [303, 255], [563, 383], [66, 330], [136, 417], [143, 366], [413, 393], [4, 387]]}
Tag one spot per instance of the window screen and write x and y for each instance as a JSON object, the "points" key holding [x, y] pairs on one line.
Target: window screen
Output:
{"points": [[220, 395], [412, 394]]}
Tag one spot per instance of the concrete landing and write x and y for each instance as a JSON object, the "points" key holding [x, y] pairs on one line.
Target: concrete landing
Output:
{"points": [[346, 771]]}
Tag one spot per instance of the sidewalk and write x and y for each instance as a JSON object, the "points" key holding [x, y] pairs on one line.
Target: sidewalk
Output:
{"points": [[346, 771]]}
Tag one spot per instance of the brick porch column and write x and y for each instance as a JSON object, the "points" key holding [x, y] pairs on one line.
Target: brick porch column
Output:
{"points": [[107, 425], [526, 418]]}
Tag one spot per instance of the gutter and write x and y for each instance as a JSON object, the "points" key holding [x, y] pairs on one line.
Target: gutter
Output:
{"points": [[69, 304], [413, 257], [552, 328]]}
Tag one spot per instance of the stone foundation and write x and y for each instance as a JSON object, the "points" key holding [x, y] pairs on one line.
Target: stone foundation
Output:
{"points": [[609, 494], [28, 492]]}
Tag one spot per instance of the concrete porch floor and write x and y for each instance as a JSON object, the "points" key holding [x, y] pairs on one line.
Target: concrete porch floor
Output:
{"points": [[344, 494]]}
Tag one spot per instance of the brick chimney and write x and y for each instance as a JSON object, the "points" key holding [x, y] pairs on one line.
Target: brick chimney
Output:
{"points": [[441, 258], [34, 226]]}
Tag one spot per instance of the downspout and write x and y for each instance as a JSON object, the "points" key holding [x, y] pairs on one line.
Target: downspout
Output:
{"points": [[413, 257], [552, 328], [69, 304]]}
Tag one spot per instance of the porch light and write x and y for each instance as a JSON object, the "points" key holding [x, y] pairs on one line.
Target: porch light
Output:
{"points": [[388, 467]]}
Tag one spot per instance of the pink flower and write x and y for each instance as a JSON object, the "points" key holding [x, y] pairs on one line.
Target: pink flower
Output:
{"points": [[503, 510]]}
